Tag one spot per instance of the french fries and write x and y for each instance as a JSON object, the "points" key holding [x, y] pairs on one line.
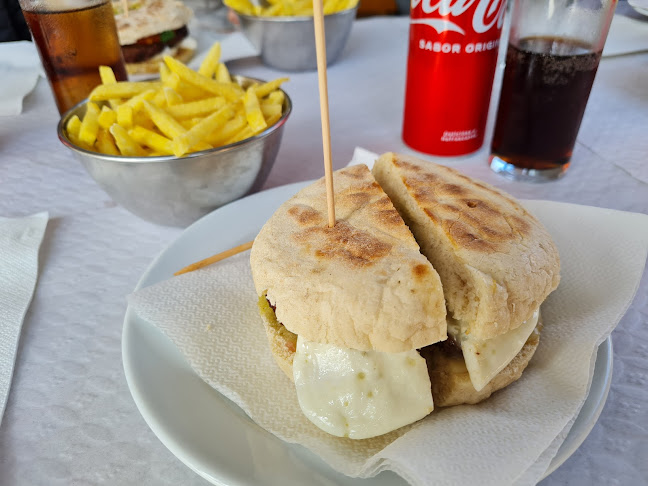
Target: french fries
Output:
{"points": [[123, 89], [288, 8], [106, 118], [210, 63], [105, 143], [186, 141], [253, 111], [90, 125], [127, 146], [184, 111]]}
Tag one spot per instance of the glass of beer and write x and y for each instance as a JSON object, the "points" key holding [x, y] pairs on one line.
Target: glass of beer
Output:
{"points": [[553, 54], [74, 38]]}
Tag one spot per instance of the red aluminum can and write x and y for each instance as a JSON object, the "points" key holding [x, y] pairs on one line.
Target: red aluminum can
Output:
{"points": [[453, 46]]}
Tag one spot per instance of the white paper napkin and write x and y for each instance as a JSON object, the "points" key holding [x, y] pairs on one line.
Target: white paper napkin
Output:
{"points": [[20, 68], [19, 243], [627, 35], [211, 316]]}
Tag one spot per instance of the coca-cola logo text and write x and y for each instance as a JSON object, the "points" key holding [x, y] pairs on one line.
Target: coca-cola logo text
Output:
{"points": [[487, 14]]}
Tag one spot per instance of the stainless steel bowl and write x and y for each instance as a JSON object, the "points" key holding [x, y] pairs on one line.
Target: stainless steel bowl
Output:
{"points": [[288, 43], [176, 191]]}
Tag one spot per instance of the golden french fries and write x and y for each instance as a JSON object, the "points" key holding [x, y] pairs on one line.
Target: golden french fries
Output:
{"points": [[106, 118], [125, 115], [210, 63], [184, 111], [288, 8], [108, 77], [230, 91], [155, 141], [122, 89], [222, 74], [127, 146], [73, 129], [186, 141], [227, 131], [172, 96], [89, 124], [253, 112], [105, 143], [196, 108]]}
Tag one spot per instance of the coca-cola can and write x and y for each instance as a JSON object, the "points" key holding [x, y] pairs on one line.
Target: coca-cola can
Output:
{"points": [[453, 47]]}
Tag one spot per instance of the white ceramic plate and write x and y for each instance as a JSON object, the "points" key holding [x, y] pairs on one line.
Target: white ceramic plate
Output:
{"points": [[640, 6], [212, 435]]}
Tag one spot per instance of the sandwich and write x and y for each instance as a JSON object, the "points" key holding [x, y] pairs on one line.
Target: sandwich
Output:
{"points": [[497, 264], [387, 314], [345, 308], [151, 29]]}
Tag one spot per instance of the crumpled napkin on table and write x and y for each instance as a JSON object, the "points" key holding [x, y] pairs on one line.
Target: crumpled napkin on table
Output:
{"points": [[211, 316], [20, 240], [20, 68]]}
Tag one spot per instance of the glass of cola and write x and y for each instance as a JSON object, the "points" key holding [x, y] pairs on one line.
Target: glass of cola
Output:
{"points": [[553, 54]]}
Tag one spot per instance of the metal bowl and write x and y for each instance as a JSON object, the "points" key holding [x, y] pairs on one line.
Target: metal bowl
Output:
{"points": [[176, 191], [288, 43]]}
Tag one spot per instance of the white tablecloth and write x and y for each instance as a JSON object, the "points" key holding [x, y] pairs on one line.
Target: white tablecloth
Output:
{"points": [[70, 418]]}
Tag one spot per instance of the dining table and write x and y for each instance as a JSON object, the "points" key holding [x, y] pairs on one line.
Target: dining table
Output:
{"points": [[70, 418]]}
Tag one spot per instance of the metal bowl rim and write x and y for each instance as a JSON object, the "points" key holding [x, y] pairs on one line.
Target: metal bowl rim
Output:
{"points": [[169, 158], [293, 18]]}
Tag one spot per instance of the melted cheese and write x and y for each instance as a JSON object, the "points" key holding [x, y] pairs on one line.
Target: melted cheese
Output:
{"points": [[360, 394], [486, 358]]}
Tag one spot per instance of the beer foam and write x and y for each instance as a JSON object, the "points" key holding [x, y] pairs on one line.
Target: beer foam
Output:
{"points": [[62, 5]]}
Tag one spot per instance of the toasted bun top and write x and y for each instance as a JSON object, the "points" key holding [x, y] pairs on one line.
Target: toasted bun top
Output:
{"points": [[149, 17], [362, 284], [496, 261]]}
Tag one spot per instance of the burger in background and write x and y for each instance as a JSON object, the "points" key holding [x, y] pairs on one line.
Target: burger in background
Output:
{"points": [[151, 29]]}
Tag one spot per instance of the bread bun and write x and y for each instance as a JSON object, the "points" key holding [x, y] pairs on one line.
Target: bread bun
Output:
{"points": [[451, 383], [152, 29], [152, 65], [496, 261], [362, 284]]}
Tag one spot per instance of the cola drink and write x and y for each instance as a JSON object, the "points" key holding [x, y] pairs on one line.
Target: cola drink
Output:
{"points": [[453, 47], [553, 54], [546, 85]]}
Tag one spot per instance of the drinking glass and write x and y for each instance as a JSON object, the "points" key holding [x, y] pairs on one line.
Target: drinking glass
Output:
{"points": [[74, 38], [553, 54]]}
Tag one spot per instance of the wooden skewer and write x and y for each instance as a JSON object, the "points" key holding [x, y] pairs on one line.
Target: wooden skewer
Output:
{"points": [[215, 258], [125, 7], [320, 46]]}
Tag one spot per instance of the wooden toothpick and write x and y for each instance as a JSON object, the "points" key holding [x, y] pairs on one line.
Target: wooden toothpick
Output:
{"points": [[320, 46], [125, 7], [215, 258]]}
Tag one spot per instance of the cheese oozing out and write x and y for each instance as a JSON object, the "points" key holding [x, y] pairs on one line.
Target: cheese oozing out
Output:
{"points": [[360, 394], [486, 358]]}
